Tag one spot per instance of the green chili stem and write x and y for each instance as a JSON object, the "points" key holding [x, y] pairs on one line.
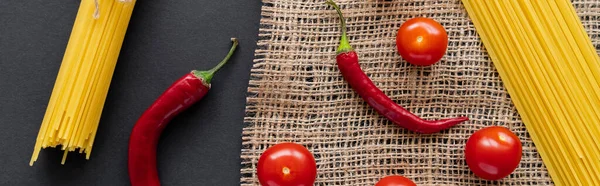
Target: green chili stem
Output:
{"points": [[344, 44], [207, 76]]}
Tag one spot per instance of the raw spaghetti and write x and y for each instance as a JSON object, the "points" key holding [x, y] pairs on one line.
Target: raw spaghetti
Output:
{"points": [[73, 112], [552, 71]]}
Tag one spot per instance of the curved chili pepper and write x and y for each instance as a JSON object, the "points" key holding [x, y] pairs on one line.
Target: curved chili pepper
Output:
{"points": [[347, 61], [183, 93]]}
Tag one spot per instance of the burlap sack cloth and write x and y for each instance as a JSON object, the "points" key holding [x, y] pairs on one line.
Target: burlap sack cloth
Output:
{"points": [[297, 94]]}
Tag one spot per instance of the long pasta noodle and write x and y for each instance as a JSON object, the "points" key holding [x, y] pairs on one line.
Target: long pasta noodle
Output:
{"points": [[73, 113], [551, 70]]}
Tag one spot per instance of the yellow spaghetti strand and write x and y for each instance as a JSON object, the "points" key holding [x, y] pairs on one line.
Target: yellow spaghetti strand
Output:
{"points": [[552, 72], [501, 55], [77, 100]]}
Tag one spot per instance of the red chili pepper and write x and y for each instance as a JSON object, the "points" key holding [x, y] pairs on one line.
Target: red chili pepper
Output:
{"points": [[186, 91], [347, 61]]}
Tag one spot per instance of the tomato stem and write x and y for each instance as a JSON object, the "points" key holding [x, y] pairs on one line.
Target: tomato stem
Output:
{"points": [[344, 44], [419, 39], [285, 170], [206, 76]]}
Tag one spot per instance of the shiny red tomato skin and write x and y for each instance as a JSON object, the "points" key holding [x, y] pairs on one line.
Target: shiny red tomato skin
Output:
{"points": [[395, 180], [287, 164], [493, 153], [422, 41]]}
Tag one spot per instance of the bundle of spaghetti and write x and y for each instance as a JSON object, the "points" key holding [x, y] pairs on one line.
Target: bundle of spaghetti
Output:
{"points": [[552, 72], [77, 100]]}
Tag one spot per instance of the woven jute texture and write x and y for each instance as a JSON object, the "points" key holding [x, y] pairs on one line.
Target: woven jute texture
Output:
{"points": [[296, 94]]}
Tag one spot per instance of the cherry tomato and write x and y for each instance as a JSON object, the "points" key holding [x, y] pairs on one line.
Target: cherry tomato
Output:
{"points": [[421, 41], [493, 153], [287, 164], [395, 180]]}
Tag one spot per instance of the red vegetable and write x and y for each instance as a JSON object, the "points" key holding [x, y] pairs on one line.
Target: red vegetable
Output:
{"points": [[347, 61], [493, 153], [395, 180], [143, 140], [286, 164], [422, 41]]}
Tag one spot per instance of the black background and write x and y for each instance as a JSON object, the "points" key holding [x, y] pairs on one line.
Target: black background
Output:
{"points": [[165, 40]]}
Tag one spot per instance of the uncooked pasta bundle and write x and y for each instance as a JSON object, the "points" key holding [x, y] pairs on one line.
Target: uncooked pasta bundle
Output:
{"points": [[82, 83]]}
